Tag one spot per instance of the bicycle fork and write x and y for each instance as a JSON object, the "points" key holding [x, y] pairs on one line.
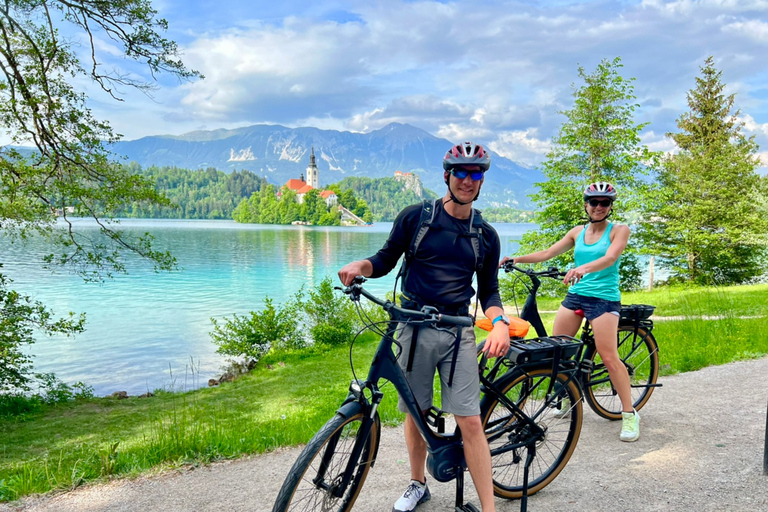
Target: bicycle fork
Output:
{"points": [[356, 402]]}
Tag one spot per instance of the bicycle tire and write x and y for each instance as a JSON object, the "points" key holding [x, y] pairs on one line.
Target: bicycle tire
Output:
{"points": [[300, 493], [527, 390], [641, 357]]}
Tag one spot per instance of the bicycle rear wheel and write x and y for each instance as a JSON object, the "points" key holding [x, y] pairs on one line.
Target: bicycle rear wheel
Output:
{"points": [[313, 482], [640, 354], [507, 434]]}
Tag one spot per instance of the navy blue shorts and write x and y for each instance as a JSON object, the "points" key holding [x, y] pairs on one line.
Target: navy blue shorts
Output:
{"points": [[592, 306]]}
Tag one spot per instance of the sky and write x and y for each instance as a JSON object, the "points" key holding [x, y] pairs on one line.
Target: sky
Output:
{"points": [[491, 71]]}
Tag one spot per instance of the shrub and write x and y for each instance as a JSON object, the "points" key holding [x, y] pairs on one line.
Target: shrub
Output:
{"points": [[331, 316], [20, 317], [50, 390], [252, 336], [327, 334]]}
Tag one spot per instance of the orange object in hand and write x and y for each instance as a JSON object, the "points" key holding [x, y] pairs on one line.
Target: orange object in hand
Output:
{"points": [[518, 327]]}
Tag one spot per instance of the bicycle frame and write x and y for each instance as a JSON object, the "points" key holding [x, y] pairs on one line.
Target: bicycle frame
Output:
{"points": [[634, 317], [515, 411], [384, 366], [446, 456]]}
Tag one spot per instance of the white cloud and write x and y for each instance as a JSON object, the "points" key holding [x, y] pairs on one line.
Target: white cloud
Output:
{"points": [[691, 6], [658, 142], [523, 146], [753, 126], [753, 29], [427, 64], [457, 133]]}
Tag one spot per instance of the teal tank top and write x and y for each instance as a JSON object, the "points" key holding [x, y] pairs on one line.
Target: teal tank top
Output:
{"points": [[603, 284]]}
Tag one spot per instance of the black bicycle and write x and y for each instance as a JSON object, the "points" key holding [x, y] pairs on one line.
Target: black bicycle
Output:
{"points": [[637, 346], [530, 443]]}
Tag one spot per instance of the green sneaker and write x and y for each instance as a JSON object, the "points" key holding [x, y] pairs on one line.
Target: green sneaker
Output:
{"points": [[630, 426]]}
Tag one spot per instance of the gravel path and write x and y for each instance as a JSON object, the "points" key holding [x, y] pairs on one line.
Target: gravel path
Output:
{"points": [[701, 449]]}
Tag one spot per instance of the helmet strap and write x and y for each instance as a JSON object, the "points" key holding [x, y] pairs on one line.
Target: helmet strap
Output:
{"points": [[456, 199], [592, 221]]}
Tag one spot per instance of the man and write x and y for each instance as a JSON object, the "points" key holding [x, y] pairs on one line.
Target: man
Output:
{"points": [[439, 272]]}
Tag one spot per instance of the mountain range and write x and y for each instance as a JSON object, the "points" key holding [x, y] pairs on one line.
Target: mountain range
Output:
{"points": [[279, 153]]}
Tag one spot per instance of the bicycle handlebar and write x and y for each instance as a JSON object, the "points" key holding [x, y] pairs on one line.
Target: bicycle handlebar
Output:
{"points": [[427, 314], [551, 272]]}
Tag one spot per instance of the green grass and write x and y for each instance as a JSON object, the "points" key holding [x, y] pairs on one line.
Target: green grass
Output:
{"points": [[288, 397], [709, 300], [82, 441]]}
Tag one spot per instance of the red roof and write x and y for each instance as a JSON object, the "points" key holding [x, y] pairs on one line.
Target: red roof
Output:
{"points": [[306, 188], [325, 194], [294, 184]]}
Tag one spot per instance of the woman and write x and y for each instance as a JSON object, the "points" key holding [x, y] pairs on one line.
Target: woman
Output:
{"points": [[595, 289]]}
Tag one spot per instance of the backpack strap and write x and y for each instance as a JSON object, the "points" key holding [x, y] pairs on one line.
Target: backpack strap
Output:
{"points": [[427, 217], [428, 209], [476, 237]]}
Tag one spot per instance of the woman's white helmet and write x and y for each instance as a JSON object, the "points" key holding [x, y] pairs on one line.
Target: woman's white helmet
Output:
{"points": [[600, 189]]}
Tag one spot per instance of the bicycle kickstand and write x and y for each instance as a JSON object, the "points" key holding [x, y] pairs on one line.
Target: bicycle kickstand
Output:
{"points": [[460, 505], [528, 462]]}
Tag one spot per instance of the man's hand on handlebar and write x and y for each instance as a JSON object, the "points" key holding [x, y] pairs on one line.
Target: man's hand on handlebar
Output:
{"points": [[348, 272]]}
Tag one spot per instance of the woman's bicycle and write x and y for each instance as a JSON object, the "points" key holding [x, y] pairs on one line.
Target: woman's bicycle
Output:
{"points": [[637, 346], [530, 442]]}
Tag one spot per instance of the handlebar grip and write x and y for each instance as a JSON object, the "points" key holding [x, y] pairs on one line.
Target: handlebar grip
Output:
{"points": [[462, 321]]}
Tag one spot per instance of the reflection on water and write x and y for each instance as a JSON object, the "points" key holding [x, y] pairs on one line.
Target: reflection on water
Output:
{"points": [[146, 331]]}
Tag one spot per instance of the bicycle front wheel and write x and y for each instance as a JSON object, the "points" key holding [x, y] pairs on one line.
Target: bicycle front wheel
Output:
{"points": [[640, 353], [509, 437], [316, 478]]}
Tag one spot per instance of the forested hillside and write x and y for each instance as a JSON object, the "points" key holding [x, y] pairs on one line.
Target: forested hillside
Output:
{"points": [[198, 194], [214, 194], [385, 196], [504, 214]]}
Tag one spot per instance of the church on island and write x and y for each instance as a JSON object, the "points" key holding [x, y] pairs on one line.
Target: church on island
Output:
{"points": [[301, 187]]}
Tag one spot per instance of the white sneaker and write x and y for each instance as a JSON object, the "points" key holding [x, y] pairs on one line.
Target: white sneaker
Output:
{"points": [[414, 495], [630, 426], [565, 409]]}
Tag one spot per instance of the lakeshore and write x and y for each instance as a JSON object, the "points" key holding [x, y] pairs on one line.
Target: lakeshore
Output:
{"points": [[148, 331]]}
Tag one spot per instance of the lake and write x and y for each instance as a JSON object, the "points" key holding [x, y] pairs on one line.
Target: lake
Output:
{"points": [[148, 331]]}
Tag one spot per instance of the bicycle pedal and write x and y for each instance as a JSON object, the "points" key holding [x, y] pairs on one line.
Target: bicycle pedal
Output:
{"points": [[434, 417], [466, 507]]}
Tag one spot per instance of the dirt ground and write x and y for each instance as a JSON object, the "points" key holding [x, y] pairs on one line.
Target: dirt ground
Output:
{"points": [[701, 448]]}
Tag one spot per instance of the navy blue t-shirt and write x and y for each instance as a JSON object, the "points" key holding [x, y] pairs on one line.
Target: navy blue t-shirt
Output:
{"points": [[441, 271]]}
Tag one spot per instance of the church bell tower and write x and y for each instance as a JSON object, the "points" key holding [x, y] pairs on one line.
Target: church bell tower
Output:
{"points": [[312, 178]]}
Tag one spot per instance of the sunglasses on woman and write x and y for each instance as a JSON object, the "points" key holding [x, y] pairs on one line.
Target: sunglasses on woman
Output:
{"points": [[463, 173], [605, 203]]}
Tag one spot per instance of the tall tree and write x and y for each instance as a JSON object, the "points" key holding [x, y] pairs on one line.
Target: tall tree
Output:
{"points": [[708, 220], [68, 166], [599, 141]]}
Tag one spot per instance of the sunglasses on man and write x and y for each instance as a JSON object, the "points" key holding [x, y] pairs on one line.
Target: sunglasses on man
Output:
{"points": [[605, 203], [463, 173]]}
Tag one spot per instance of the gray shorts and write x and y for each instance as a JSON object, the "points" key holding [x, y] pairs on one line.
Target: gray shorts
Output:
{"points": [[434, 351]]}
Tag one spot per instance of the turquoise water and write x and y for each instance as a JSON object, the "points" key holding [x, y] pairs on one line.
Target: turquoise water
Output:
{"points": [[147, 331]]}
